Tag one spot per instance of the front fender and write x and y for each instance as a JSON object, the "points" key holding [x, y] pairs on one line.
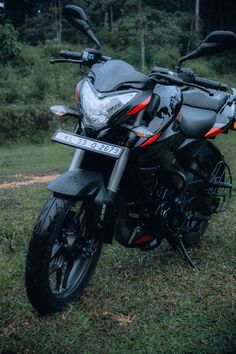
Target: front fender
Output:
{"points": [[77, 183], [89, 184]]}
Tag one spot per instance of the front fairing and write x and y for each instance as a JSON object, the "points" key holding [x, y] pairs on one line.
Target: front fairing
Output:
{"points": [[117, 75]]}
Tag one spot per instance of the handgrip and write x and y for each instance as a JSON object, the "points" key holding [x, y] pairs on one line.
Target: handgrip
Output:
{"points": [[210, 83], [67, 54]]}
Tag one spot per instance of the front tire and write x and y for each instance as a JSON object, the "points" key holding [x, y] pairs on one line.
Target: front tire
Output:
{"points": [[61, 256]]}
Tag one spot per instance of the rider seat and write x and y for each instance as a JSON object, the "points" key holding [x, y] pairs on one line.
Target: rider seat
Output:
{"points": [[195, 97]]}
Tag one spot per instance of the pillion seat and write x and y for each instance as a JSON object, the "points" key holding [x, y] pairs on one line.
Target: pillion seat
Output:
{"points": [[195, 122]]}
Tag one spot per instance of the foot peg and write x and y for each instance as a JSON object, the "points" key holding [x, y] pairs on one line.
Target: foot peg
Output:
{"points": [[142, 240]]}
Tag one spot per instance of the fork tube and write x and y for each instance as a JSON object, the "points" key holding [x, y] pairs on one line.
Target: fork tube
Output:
{"points": [[77, 159], [118, 171]]}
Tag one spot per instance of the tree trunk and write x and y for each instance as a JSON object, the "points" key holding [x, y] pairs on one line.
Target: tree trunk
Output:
{"points": [[106, 20], [111, 17], [59, 22], [197, 18], [190, 36], [142, 42], [55, 14], [142, 39]]}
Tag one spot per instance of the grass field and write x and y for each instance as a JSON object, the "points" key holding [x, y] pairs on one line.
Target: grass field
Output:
{"points": [[146, 303]]}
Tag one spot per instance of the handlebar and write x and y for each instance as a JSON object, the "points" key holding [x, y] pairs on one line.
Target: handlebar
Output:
{"points": [[187, 77], [87, 57]]}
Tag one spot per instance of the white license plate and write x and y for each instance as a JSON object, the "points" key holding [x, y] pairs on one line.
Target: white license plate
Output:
{"points": [[85, 143]]}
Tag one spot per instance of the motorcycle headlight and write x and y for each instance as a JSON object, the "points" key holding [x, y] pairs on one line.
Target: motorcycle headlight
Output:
{"points": [[97, 110]]}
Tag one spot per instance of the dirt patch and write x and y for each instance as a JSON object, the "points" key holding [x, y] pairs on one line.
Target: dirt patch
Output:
{"points": [[27, 181]]}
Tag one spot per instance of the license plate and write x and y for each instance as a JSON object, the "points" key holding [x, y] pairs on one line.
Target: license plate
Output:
{"points": [[89, 144]]}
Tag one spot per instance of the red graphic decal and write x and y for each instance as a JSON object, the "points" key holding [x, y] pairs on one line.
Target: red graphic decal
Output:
{"points": [[143, 239], [214, 131], [77, 94], [178, 117], [151, 140], [140, 107]]}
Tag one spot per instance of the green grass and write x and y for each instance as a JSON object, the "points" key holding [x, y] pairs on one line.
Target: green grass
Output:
{"points": [[136, 302], [33, 159]]}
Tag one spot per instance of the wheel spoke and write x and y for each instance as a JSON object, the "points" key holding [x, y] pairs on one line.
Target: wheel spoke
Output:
{"points": [[55, 249], [67, 275], [56, 263], [58, 287]]}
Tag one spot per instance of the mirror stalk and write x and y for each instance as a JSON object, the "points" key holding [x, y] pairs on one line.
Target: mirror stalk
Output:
{"points": [[195, 54], [90, 34]]}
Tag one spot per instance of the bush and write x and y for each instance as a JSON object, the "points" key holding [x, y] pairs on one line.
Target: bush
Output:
{"points": [[164, 56], [9, 46], [19, 120]]}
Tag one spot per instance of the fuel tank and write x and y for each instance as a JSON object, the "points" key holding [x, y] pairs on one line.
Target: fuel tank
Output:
{"points": [[149, 151]]}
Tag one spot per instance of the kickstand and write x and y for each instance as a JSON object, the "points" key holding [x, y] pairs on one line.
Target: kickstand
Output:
{"points": [[185, 254]]}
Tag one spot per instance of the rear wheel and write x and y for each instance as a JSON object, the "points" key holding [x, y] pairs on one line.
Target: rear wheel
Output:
{"points": [[61, 256]]}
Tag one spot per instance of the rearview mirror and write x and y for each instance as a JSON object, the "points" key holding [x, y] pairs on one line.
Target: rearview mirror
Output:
{"points": [[215, 42], [77, 17]]}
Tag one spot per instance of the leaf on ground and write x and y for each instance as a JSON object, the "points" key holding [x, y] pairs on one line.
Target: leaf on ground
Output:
{"points": [[124, 320]]}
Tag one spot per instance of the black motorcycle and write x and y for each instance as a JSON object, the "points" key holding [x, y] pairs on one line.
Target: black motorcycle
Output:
{"points": [[143, 168]]}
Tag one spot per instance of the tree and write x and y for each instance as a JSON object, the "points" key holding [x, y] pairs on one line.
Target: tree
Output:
{"points": [[9, 46]]}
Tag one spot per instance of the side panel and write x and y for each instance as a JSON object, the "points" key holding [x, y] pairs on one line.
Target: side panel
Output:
{"points": [[198, 153]]}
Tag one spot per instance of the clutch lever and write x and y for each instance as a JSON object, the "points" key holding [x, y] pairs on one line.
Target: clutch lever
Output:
{"points": [[56, 61]]}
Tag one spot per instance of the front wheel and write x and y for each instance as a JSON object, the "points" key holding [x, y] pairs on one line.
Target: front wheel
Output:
{"points": [[61, 256]]}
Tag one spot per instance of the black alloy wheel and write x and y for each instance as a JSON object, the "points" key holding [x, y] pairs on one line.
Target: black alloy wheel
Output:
{"points": [[62, 256]]}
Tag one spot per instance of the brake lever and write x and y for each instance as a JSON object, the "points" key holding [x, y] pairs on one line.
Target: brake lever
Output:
{"points": [[179, 81], [199, 87]]}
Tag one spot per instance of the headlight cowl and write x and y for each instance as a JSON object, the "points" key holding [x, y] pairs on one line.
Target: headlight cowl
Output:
{"points": [[96, 110]]}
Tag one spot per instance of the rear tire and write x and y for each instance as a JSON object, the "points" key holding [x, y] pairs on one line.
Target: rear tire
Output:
{"points": [[61, 256]]}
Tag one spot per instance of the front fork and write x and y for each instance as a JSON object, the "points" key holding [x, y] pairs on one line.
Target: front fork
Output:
{"points": [[104, 208], [117, 172], [103, 216]]}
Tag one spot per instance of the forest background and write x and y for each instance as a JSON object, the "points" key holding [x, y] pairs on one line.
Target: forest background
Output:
{"points": [[144, 33]]}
